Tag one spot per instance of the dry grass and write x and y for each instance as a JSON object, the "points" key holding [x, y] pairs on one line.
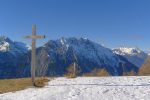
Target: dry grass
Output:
{"points": [[145, 69], [97, 73], [70, 75], [11, 85]]}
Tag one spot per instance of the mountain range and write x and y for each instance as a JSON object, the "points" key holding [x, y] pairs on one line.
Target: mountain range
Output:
{"points": [[55, 56]]}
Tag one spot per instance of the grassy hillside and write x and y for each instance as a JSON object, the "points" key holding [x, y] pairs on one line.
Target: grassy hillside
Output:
{"points": [[145, 69], [10, 85]]}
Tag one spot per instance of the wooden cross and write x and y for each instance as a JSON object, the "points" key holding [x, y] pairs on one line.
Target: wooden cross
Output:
{"points": [[33, 59]]}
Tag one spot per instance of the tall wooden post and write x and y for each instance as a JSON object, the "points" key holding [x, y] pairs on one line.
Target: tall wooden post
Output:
{"points": [[33, 59], [74, 65], [33, 52]]}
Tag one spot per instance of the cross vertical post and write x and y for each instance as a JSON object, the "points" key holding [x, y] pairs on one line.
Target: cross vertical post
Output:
{"points": [[33, 59], [33, 52]]}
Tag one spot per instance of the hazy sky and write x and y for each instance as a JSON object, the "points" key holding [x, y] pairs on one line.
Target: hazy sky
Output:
{"points": [[110, 22]]}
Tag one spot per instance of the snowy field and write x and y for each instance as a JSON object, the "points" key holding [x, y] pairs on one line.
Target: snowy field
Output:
{"points": [[92, 88]]}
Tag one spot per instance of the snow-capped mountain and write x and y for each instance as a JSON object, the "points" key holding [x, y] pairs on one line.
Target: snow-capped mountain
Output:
{"points": [[11, 53], [134, 55], [56, 55], [7, 45]]}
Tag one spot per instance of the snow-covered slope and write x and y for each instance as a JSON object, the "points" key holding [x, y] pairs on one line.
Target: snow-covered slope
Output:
{"points": [[87, 88], [134, 55]]}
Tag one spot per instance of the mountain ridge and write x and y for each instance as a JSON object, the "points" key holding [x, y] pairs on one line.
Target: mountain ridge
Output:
{"points": [[55, 56], [90, 55]]}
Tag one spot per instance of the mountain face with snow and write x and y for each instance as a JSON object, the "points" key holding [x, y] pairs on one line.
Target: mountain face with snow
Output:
{"points": [[55, 57], [10, 57], [134, 55], [7, 45]]}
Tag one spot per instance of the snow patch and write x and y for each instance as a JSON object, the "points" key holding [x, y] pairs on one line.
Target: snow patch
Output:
{"points": [[63, 41], [126, 50], [4, 46]]}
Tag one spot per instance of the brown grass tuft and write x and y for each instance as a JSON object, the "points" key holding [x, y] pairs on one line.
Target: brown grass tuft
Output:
{"points": [[145, 69], [97, 72]]}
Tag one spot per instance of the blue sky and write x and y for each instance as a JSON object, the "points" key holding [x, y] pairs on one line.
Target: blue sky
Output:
{"points": [[110, 22]]}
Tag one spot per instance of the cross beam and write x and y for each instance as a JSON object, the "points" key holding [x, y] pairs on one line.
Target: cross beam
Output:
{"points": [[33, 53]]}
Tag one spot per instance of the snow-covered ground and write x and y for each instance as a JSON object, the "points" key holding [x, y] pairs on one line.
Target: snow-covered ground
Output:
{"points": [[92, 88]]}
